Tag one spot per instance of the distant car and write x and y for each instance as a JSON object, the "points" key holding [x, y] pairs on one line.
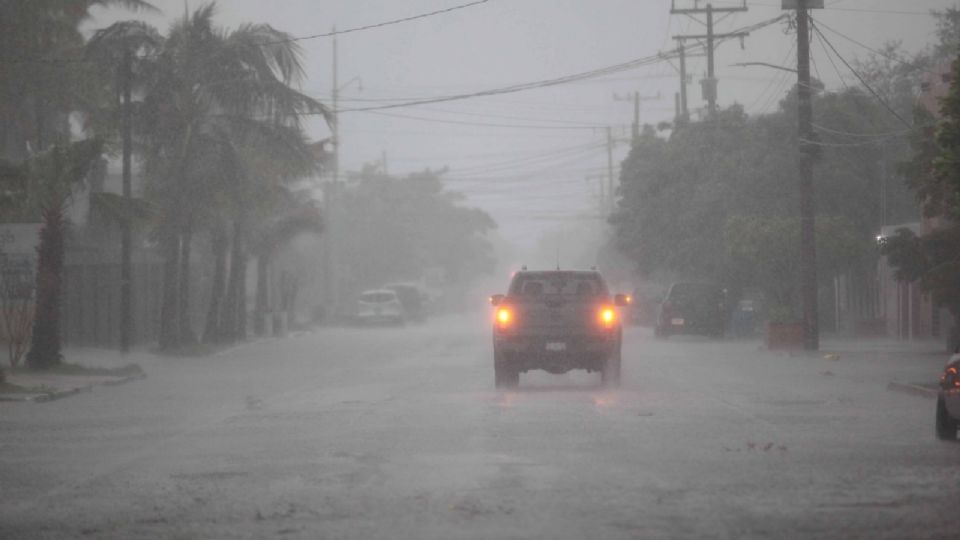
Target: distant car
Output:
{"points": [[556, 321], [379, 306], [411, 298], [691, 308], [948, 401]]}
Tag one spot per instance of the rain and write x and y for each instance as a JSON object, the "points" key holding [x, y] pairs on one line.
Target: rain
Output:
{"points": [[479, 269]]}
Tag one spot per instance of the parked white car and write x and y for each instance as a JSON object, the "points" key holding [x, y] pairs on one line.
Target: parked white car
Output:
{"points": [[379, 306], [948, 402]]}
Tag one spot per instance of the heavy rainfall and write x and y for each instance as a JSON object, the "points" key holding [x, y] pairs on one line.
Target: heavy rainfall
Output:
{"points": [[477, 269]]}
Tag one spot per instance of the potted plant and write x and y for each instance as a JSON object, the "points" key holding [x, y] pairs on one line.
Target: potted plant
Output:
{"points": [[784, 330]]}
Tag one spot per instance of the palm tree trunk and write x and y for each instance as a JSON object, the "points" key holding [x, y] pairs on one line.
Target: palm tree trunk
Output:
{"points": [[213, 332], [169, 308], [231, 303], [262, 302], [187, 335], [242, 297], [45, 344]]}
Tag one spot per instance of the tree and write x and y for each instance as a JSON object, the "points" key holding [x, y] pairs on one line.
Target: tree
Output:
{"points": [[687, 203], [398, 227], [42, 73], [213, 97], [117, 50], [52, 177], [762, 252], [933, 260], [294, 215]]}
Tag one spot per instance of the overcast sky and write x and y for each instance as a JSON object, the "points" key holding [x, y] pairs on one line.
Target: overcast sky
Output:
{"points": [[540, 164]]}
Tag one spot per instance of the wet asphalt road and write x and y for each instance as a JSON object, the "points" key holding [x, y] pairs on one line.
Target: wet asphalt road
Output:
{"points": [[398, 433]]}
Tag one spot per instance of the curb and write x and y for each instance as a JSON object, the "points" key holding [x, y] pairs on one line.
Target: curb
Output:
{"points": [[914, 389], [60, 394]]}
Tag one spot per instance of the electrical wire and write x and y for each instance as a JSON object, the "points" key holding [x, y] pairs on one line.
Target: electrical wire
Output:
{"points": [[480, 124], [871, 49], [380, 24], [860, 78], [776, 81], [607, 70], [836, 68], [391, 22]]}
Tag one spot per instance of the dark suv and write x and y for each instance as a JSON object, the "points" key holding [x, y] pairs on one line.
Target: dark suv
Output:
{"points": [[556, 321], [692, 308]]}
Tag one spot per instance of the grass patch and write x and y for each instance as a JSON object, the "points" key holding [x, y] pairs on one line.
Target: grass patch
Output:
{"points": [[66, 368]]}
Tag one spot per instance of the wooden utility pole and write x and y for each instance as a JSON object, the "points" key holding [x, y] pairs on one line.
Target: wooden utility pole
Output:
{"points": [[805, 158], [709, 84], [611, 193], [637, 100], [329, 196], [126, 234], [684, 110]]}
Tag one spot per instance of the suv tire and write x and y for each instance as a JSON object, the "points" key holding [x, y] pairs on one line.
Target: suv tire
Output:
{"points": [[610, 374], [946, 425], [505, 376]]}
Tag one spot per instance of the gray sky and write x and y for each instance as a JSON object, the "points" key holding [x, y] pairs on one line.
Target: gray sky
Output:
{"points": [[533, 179]]}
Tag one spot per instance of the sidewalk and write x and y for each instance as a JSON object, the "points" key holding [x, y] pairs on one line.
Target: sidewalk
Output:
{"points": [[82, 371], [908, 367]]}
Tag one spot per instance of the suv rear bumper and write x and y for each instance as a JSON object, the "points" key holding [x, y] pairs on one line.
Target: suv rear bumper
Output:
{"points": [[555, 354]]}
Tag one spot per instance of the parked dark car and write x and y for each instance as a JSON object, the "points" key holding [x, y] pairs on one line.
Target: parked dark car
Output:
{"points": [[411, 298], [948, 401], [556, 321], [692, 308]]}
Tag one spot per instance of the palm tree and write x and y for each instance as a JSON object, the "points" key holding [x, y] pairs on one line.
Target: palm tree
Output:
{"points": [[43, 78], [43, 74], [52, 177], [213, 96], [294, 215], [124, 49]]}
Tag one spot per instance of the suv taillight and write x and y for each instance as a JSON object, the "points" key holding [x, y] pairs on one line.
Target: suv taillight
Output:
{"points": [[607, 317], [504, 317]]}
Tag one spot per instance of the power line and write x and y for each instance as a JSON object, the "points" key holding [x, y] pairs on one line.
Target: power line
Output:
{"points": [[854, 10], [607, 70], [279, 41], [871, 49], [862, 81], [836, 69], [481, 124], [380, 24]]}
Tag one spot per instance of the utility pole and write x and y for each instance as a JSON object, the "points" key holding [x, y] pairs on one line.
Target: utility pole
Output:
{"points": [[637, 99], [330, 194], [684, 110], [611, 194], [709, 84], [336, 113], [126, 234], [805, 159]]}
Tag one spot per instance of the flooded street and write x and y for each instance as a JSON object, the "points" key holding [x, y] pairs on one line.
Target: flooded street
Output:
{"points": [[398, 433]]}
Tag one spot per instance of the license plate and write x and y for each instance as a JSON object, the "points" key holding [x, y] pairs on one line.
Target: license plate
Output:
{"points": [[677, 322], [556, 346]]}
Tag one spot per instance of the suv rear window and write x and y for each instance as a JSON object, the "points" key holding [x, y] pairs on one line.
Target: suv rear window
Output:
{"points": [[573, 284], [691, 293]]}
